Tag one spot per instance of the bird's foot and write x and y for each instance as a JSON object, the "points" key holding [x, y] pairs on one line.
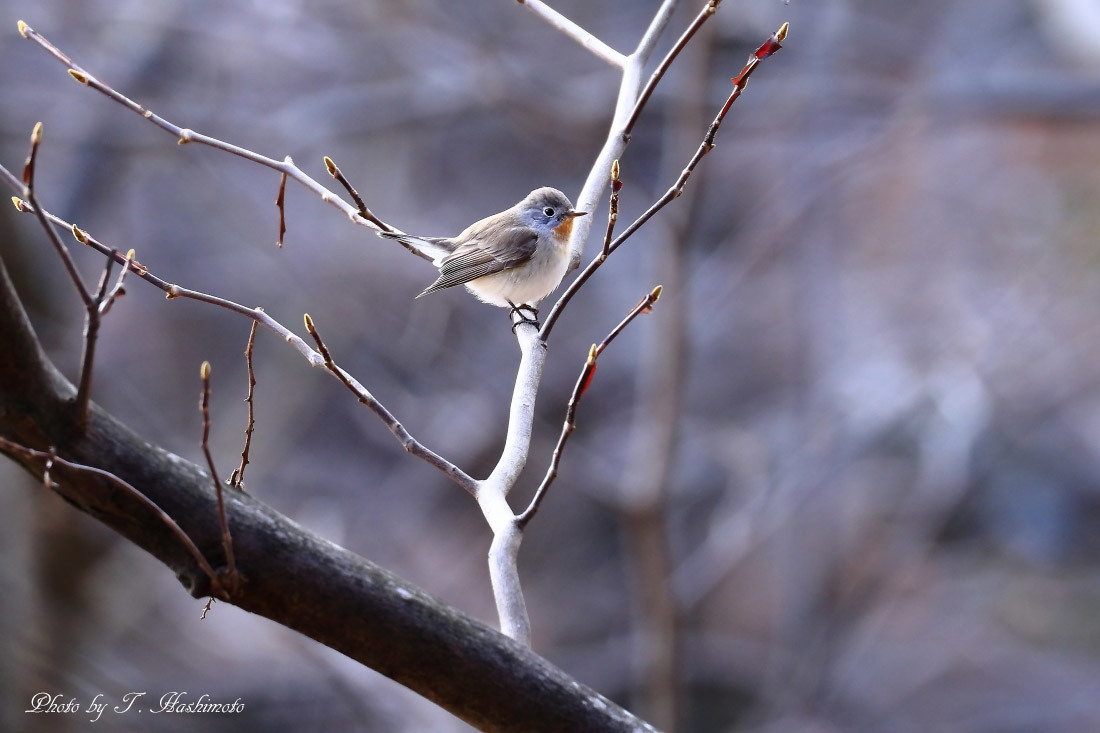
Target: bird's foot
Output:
{"points": [[526, 313]]}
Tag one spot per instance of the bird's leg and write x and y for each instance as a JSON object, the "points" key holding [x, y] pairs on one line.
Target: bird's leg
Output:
{"points": [[521, 311]]}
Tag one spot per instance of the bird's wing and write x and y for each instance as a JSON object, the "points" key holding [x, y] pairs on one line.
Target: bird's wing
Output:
{"points": [[506, 249]]}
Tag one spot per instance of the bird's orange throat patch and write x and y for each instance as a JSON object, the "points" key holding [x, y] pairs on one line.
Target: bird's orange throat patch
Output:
{"points": [[563, 230]]}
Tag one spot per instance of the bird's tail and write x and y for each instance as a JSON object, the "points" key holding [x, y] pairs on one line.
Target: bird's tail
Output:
{"points": [[430, 248]]}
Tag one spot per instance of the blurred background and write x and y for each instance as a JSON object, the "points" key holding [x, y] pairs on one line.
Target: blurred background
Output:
{"points": [[845, 477]]}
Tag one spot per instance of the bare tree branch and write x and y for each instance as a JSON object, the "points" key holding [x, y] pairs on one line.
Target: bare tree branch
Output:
{"points": [[184, 135], [116, 289], [574, 31], [91, 335], [626, 103], [583, 381], [335, 172], [237, 479], [94, 312], [492, 492], [704, 15], [96, 306], [766, 49], [612, 210], [223, 523], [27, 191], [280, 201], [409, 443]]}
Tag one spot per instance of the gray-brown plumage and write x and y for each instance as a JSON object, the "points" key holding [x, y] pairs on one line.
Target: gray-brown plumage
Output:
{"points": [[517, 256]]}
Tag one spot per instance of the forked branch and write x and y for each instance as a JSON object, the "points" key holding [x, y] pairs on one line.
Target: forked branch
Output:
{"points": [[583, 382], [28, 192], [765, 50]]}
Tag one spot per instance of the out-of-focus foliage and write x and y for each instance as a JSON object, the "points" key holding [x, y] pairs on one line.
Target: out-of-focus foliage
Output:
{"points": [[879, 320]]}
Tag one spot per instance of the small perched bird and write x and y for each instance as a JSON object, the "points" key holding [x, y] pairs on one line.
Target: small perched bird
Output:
{"points": [[510, 259]]}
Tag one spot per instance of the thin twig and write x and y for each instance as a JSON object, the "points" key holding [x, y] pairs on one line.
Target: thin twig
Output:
{"points": [[94, 306], [237, 479], [366, 213], [29, 194], [653, 31], [227, 540], [409, 443], [104, 278], [93, 317], [658, 73], [613, 209], [94, 314], [583, 381], [766, 49], [91, 336], [184, 135], [116, 290], [51, 458], [574, 31], [280, 201], [335, 172]]}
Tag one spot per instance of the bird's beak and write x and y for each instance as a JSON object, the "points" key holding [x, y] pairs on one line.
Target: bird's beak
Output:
{"points": [[577, 213]]}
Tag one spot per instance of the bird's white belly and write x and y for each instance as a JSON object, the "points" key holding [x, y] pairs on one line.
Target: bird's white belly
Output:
{"points": [[528, 283]]}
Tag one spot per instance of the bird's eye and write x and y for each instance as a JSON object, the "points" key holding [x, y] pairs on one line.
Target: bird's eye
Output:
{"points": [[548, 211]]}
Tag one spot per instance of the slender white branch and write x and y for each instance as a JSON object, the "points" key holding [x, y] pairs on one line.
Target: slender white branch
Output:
{"points": [[612, 150], [521, 415], [629, 90], [492, 493], [574, 31], [507, 591], [656, 27]]}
